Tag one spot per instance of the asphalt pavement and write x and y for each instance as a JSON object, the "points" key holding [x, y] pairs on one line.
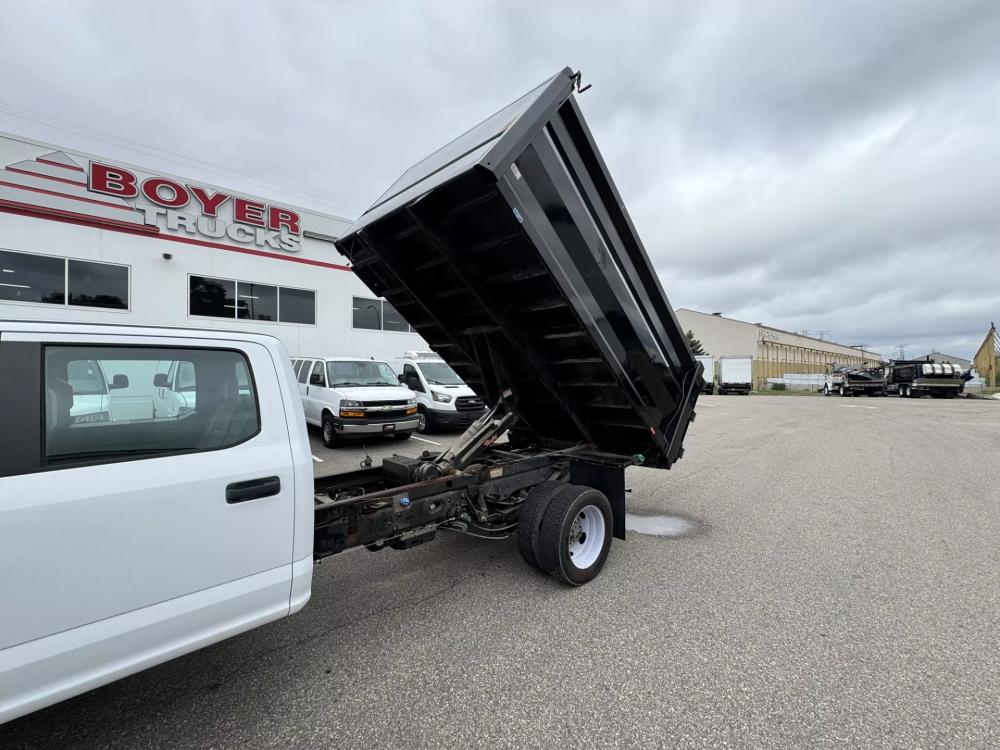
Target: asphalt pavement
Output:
{"points": [[830, 578]]}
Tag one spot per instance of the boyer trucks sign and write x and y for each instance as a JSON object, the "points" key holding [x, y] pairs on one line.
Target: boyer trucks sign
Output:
{"points": [[182, 207], [70, 188]]}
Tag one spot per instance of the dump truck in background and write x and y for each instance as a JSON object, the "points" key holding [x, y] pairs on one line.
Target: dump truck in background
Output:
{"points": [[735, 375], [511, 252], [913, 378], [850, 380]]}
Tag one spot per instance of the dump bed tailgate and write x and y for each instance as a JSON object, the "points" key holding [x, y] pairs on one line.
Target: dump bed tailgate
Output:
{"points": [[511, 253]]}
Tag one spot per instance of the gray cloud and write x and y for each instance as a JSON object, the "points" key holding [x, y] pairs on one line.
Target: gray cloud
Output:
{"points": [[826, 166]]}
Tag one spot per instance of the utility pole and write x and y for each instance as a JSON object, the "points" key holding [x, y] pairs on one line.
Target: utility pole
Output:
{"points": [[901, 351]]}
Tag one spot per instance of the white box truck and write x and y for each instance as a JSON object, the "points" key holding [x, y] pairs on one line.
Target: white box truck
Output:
{"points": [[735, 375], [708, 372]]}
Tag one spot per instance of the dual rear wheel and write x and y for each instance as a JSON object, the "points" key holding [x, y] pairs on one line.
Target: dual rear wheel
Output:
{"points": [[565, 530]]}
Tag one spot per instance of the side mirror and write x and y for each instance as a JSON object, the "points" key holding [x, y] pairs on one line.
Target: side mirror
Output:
{"points": [[401, 378], [315, 379], [160, 380], [118, 382], [413, 383]]}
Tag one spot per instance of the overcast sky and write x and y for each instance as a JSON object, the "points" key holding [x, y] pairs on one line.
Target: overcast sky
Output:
{"points": [[813, 166]]}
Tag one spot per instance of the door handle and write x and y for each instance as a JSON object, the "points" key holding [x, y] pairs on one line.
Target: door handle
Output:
{"points": [[252, 489]]}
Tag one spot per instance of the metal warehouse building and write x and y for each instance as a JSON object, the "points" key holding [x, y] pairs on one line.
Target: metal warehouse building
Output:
{"points": [[775, 352], [987, 358], [88, 240]]}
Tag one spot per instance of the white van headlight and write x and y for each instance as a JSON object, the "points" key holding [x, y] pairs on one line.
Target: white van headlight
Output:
{"points": [[444, 398], [411, 402], [349, 404]]}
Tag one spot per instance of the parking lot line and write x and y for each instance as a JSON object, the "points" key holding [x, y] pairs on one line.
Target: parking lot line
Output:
{"points": [[317, 460], [424, 440], [857, 406]]}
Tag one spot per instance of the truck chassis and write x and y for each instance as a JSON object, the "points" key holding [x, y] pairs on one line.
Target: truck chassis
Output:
{"points": [[474, 487]]}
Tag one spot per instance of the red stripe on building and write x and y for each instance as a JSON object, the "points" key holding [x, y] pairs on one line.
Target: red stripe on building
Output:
{"points": [[75, 168], [116, 226], [64, 195], [27, 209], [46, 176]]}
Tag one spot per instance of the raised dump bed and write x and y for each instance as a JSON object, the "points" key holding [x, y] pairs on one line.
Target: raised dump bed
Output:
{"points": [[510, 251]]}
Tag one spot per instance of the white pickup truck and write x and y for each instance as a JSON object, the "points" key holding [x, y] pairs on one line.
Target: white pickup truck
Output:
{"points": [[124, 536]]}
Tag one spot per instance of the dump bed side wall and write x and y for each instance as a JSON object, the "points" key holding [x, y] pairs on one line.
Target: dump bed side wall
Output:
{"points": [[526, 272]]}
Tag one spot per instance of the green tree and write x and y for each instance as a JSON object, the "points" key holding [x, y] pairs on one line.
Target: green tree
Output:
{"points": [[694, 343]]}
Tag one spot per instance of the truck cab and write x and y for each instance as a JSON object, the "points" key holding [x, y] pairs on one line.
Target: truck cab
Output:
{"points": [[354, 398], [132, 531], [444, 401]]}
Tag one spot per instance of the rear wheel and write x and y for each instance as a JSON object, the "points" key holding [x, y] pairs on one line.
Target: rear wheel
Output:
{"points": [[826, 391], [575, 535], [329, 431], [843, 391], [529, 524]]}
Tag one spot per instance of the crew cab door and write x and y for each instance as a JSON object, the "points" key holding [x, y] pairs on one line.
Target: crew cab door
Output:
{"points": [[126, 538]]}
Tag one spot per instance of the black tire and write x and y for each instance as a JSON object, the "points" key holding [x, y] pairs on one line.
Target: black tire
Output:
{"points": [[424, 423], [530, 520], [329, 431], [826, 391], [566, 510], [402, 435]]}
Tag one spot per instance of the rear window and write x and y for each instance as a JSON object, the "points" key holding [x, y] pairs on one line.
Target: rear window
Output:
{"points": [[106, 404]]}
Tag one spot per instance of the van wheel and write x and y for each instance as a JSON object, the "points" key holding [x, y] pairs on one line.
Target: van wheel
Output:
{"points": [[402, 435], [529, 525], [422, 423], [575, 536], [329, 432]]}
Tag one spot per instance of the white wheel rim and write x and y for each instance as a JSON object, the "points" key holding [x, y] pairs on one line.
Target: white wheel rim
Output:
{"points": [[421, 422], [586, 537]]}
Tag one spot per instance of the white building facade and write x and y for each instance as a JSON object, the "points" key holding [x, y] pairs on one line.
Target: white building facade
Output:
{"points": [[85, 239]]}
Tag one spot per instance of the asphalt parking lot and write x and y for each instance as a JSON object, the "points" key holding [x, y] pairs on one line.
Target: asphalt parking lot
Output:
{"points": [[832, 580]]}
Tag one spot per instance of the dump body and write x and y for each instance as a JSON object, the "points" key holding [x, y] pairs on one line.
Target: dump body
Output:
{"points": [[510, 251]]}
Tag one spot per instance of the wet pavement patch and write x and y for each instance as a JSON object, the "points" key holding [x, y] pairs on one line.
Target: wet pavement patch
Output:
{"points": [[660, 525]]}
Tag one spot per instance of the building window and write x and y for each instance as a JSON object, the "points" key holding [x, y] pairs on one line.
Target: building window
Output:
{"points": [[97, 284], [297, 306], [377, 315], [214, 298], [45, 279], [32, 278], [256, 301], [246, 300]]}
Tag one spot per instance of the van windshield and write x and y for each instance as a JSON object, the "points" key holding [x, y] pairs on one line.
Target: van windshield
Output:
{"points": [[361, 372], [438, 373]]}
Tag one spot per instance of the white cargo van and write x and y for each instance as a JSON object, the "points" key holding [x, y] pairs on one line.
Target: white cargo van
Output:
{"points": [[443, 400], [735, 375], [354, 398]]}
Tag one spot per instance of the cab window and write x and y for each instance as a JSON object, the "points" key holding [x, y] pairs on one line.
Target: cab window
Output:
{"points": [[131, 414], [304, 372]]}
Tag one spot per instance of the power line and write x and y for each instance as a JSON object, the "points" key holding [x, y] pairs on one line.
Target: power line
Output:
{"points": [[154, 151]]}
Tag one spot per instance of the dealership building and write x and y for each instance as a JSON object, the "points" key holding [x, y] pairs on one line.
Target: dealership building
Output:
{"points": [[85, 239], [775, 352]]}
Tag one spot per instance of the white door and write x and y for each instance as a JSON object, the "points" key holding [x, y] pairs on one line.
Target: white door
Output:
{"points": [[316, 392], [303, 380], [134, 537]]}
